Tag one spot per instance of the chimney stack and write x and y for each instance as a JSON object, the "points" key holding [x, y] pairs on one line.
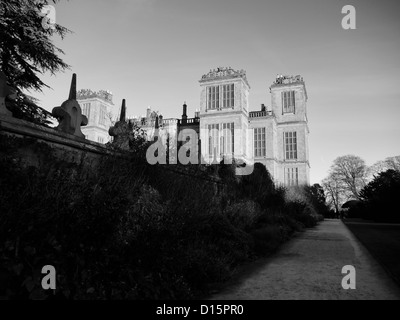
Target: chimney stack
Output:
{"points": [[184, 115], [156, 124]]}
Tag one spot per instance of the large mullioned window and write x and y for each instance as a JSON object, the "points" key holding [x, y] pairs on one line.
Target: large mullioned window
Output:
{"points": [[228, 92], [103, 115], [221, 139], [213, 97], [259, 142], [227, 138], [292, 176], [86, 109], [221, 96], [288, 102], [213, 131], [290, 140]]}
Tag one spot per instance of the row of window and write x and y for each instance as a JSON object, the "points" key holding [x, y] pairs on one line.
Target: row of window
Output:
{"points": [[86, 109], [222, 96], [290, 144], [223, 143]]}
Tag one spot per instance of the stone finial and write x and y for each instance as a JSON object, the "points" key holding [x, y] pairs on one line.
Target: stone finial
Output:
{"points": [[121, 131], [123, 111], [287, 79], [72, 90], [70, 113], [5, 91]]}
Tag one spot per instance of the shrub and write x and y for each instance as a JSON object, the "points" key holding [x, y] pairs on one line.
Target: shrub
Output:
{"points": [[243, 215], [127, 230]]}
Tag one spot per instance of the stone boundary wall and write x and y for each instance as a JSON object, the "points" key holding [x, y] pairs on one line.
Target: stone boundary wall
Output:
{"points": [[44, 147], [36, 145]]}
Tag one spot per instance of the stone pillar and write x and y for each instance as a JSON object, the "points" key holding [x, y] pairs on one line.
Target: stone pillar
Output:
{"points": [[121, 130]]}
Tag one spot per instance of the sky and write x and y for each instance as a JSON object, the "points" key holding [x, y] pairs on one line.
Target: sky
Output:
{"points": [[154, 52]]}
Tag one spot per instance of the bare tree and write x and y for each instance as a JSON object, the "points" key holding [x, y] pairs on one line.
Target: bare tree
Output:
{"points": [[384, 165], [351, 171], [334, 191], [393, 163], [376, 168]]}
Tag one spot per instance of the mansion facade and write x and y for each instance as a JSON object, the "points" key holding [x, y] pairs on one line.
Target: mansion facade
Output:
{"points": [[276, 136]]}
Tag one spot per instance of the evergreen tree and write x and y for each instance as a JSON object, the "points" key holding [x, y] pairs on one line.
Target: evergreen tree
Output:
{"points": [[27, 50], [381, 196]]}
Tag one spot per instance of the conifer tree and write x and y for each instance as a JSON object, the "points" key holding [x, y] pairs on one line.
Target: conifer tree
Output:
{"points": [[27, 51]]}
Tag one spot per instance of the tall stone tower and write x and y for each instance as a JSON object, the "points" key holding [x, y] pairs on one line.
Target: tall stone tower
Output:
{"points": [[97, 107], [224, 115], [289, 106]]}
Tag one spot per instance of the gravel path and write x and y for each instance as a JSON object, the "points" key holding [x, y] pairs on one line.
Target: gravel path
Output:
{"points": [[309, 267]]}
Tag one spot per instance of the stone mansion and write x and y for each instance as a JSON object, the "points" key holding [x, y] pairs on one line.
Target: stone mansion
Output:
{"points": [[276, 136]]}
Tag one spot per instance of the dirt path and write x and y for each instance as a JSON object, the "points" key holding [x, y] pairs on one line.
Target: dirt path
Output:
{"points": [[309, 267]]}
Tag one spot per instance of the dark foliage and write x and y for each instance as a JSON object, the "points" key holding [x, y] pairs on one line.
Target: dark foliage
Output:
{"points": [[23, 107], [316, 196], [260, 187], [380, 198], [128, 230]]}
